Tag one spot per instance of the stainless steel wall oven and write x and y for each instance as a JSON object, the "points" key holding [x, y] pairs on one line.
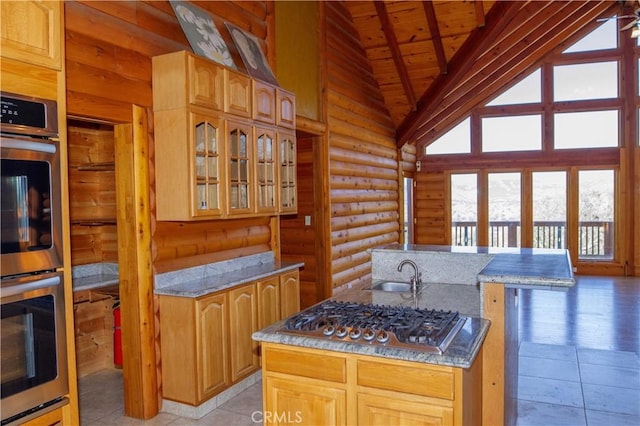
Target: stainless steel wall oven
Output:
{"points": [[33, 359], [30, 230]]}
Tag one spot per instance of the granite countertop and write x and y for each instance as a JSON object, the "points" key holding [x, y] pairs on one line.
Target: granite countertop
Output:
{"points": [[461, 351], [94, 276], [530, 268], [204, 283], [514, 267]]}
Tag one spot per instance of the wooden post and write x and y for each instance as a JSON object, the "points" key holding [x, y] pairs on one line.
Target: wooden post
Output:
{"points": [[141, 398], [500, 356]]}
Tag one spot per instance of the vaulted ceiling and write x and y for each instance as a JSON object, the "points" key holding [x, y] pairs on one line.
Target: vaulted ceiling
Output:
{"points": [[436, 60]]}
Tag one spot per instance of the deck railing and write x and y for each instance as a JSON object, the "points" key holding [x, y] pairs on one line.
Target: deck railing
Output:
{"points": [[595, 238]]}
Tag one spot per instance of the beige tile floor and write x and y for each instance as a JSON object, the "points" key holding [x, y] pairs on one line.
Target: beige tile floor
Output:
{"points": [[573, 386], [101, 403]]}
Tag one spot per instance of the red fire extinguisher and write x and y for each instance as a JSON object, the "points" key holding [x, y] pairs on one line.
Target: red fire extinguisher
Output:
{"points": [[117, 336]]}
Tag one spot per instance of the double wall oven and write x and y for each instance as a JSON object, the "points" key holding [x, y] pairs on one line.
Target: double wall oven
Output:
{"points": [[33, 359]]}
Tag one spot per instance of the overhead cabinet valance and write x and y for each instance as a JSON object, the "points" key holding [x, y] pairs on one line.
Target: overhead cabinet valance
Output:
{"points": [[224, 143]]}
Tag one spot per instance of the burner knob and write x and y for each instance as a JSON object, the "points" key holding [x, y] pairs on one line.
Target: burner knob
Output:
{"points": [[368, 334], [328, 330], [341, 331], [355, 333], [382, 337]]}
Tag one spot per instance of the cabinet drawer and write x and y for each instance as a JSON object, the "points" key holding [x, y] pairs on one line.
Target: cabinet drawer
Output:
{"points": [[426, 381], [305, 364]]}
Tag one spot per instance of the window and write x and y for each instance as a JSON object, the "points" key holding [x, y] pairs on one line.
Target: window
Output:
{"points": [[455, 141], [596, 212], [527, 90], [598, 80], [549, 209], [603, 37], [504, 209], [464, 209], [594, 129], [514, 133], [542, 167], [408, 210]]}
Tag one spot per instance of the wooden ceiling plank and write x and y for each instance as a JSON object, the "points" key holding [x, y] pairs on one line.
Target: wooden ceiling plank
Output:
{"points": [[498, 18], [432, 22], [395, 53]]}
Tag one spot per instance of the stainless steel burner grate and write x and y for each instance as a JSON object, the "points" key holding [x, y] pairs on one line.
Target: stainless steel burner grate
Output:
{"points": [[392, 326]]}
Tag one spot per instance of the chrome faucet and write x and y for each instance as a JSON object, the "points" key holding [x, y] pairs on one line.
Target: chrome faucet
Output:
{"points": [[417, 277]]}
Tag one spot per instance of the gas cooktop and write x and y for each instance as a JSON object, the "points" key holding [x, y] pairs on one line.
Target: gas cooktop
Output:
{"points": [[379, 325]]}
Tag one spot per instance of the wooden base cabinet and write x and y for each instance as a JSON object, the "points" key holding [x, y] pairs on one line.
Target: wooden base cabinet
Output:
{"points": [[206, 342], [312, 386], [194, 347]]}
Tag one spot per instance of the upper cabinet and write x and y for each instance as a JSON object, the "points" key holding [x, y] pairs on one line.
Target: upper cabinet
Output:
{"points": [[286, 109], [38, 43], [224, 143]]}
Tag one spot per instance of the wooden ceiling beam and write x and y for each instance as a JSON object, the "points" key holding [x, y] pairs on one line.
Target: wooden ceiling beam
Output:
{"points": [[480, 18], [478, 41], [392, 42], [519, 52], [436, 39]]}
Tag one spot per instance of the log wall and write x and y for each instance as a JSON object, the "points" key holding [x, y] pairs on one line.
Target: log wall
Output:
{"points": [[298, 242], [363, 172]]}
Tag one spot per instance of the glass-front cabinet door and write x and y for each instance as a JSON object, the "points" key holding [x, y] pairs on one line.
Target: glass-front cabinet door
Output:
{"points": [[207, 199], [288, 170], [266, 189], [240, 196]]}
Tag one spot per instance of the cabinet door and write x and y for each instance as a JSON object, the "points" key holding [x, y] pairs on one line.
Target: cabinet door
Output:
{"points": [[288, 170], [206, 83], [207, 154], [264, 102], [285, 109], [31, 32], [240, 168], [385, 410], [289, 294], [302, 402], [243, 319], [213, 375], [265, 161], [268, 301], [238, 94]]}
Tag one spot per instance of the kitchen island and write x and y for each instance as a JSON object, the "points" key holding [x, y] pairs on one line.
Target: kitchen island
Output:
{"points": [[484, 282]]}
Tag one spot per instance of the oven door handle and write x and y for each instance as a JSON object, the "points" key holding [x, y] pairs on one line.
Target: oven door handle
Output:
{"points": [[30, 286], [28, 145]]}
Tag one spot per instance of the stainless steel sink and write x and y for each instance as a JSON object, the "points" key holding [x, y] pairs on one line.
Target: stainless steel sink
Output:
{"points": [[394, 286]]}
